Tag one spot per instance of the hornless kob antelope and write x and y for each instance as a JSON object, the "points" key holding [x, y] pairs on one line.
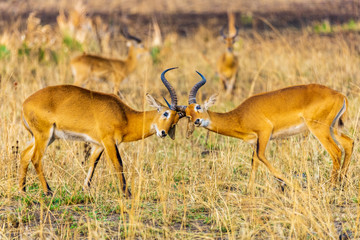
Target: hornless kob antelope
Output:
{"points": [[280, 113], [74, 113], [228, 64], [88, 66]]}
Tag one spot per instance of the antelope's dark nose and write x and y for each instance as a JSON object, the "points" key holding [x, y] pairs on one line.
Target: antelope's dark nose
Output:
{"points": [[163, 133], [197, 121]]}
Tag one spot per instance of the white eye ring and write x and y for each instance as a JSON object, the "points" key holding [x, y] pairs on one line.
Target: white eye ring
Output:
{"points": [[198, 107]]}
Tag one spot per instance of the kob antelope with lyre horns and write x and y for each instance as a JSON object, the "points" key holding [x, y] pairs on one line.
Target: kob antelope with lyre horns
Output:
{"points": [[280, 113], [74, 113], [228, 63], [89, 67]]}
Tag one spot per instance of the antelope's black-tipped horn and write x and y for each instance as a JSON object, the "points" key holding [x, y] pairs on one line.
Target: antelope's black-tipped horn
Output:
{"points": [[169, 106], [193, 92], [222, 32], [126, 34], [137, 40], [170, 89], [124, 31], [237, 32]]}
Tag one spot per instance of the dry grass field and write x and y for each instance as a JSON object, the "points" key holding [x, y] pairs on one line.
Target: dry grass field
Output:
{"points": [[178, 191]]}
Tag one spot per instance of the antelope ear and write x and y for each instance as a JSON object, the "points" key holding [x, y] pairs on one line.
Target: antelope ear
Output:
{"points": [[153, 102], [211, 101], [171, 132]]}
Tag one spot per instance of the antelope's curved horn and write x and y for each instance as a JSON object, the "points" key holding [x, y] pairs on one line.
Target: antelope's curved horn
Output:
{"points": [[222, 32], [126, 34], [237, 32], [137, 40], [124, 31], [193, 92], [167, 103], [170, 89]]}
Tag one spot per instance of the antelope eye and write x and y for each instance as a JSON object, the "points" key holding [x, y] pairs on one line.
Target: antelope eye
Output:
{"points": [[198, 107], [166, 114]]}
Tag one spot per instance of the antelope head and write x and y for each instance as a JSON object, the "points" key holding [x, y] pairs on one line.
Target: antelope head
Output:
{"points": [[134, 42], [165, 122], [229, 40], [196, 113]]}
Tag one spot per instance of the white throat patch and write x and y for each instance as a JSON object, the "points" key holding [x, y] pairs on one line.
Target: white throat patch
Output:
{"points": [[205, 123], [154, 126]]}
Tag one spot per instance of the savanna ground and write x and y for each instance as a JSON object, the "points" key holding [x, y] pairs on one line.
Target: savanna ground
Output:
{"points": [[179, 192]]}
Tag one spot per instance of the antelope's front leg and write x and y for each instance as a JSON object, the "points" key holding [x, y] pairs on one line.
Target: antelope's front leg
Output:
{"points": [[94, 159], [254, 166], [230, 85], [113, 154], [263, 139]]}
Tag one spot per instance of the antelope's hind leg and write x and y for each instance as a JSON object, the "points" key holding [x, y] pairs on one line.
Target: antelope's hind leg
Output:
{"points": [[40, 146], [347, 143], [323, 133], [34, 152], [25, 159]]}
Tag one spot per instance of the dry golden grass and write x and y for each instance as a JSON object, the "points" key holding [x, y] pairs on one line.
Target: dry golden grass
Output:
{"points": [[177, 192]]}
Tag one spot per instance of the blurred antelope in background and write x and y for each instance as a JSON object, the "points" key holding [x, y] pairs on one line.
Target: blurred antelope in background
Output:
{"points": [[161, 47], [157, 41], [37, 35], [156, 35], [74, 113], [88, 66], [228, 64], [76, 24], [280, 113]]}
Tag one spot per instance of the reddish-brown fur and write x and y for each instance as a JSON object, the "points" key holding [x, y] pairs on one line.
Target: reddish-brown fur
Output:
{"points": [[87, 66], [71, 112], [283, 113], [228, 63]]}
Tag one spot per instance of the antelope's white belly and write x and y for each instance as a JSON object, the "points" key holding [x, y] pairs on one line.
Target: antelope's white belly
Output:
{"points": [[289, 131], [251, 140], [68, 135]]}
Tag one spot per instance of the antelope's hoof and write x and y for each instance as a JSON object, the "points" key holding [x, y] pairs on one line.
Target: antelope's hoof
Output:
{"points": [[22, 191], [282, 184], [127, 192], [49, 193]]}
